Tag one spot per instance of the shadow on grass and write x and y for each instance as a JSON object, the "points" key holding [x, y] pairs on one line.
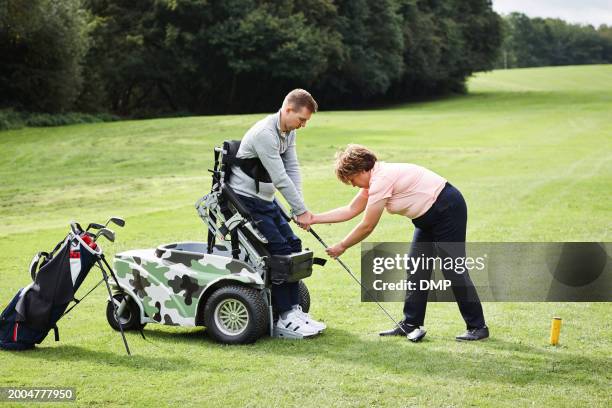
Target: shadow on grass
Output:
{"points": [[196, 337], [492, 360], [79, 354]]}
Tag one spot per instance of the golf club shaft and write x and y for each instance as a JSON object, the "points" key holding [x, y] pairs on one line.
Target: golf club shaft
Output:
{"points": [[346, 268]]}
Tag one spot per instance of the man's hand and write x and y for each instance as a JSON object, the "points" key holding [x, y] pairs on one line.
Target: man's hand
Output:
{"points": [[336, 250], [304, 220]]}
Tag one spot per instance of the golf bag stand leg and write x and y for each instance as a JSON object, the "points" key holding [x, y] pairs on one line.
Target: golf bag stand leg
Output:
{"points": [[115, 307]]}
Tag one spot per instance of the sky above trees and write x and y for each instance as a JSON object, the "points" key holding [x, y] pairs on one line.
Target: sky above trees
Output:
{"points": [[593, 12]]}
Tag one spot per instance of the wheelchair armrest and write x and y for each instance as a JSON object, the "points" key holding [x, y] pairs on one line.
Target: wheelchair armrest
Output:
{"points": [[290, 268]]}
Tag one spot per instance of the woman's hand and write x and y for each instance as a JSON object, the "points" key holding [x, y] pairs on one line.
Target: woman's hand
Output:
{"points": [[304, 220], [336, 250]]}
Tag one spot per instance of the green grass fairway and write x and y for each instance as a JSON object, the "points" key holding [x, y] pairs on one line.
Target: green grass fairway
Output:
{"points": [[530, 149]]}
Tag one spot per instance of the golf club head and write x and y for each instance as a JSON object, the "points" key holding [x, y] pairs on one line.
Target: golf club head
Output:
{"points": [[94, 225], [106, 233], [76, 227], [417, 334], [116, 220]]}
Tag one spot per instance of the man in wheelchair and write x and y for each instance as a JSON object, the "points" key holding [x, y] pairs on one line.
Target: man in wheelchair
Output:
{"points": [[267, 161]]}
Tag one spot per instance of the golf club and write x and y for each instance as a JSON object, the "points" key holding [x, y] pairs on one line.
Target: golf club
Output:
{"points": [[106, 233], [414, 336], [116, 220], [94, 225]]}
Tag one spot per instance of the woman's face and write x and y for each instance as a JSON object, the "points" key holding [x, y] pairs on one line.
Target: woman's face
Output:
{"points": [[361, 180]]}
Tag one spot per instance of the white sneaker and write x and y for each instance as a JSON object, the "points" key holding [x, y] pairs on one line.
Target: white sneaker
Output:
{"points": [[294, 326], [319, 326]]}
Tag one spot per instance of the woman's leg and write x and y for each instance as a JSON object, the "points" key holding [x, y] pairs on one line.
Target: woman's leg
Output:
{"points": [[415, 303], [449, 235]]}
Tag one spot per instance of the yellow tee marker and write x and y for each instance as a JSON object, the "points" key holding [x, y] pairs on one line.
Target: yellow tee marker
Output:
{"points": [[555, 331]]}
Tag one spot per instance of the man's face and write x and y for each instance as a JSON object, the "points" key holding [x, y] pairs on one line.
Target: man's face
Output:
{"points": [[295, 119]]}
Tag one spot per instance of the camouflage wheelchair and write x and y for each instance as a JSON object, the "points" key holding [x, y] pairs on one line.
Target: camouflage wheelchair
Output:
{"points": [[223, 284]]}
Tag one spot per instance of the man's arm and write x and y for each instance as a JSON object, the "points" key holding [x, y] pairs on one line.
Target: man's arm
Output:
{"points": [[267, 149], [292, 167]]}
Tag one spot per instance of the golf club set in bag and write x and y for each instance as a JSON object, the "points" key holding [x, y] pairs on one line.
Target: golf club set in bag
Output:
{"points": [[223, 284], [56, 277]]}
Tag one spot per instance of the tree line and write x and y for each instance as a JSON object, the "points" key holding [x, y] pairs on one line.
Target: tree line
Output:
{"points": [[536, 42], [143, 58]]}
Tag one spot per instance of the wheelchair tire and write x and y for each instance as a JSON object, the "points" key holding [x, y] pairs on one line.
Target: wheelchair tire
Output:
{"points": [[130, 318], [236, 314], [304, 296]]}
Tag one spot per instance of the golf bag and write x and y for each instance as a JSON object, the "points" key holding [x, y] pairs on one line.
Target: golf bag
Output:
{"points": [[56, 277]]}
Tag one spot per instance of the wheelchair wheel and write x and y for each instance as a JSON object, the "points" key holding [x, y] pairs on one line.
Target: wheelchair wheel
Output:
{"points": [[304, 296], [130, 316], [236, 315]]}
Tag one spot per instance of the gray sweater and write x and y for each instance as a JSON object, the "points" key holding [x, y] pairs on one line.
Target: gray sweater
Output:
{"points": [[278, 155]]}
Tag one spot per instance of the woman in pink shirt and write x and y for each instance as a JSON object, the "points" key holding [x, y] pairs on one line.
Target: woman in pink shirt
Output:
{"points": [[438, 212]]}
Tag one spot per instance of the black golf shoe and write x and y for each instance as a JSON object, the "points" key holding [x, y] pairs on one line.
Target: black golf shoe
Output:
{"points": [[396, 331], [474, 334]]}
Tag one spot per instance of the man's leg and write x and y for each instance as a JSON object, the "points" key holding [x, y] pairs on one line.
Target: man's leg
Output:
{"points": [[293, 289], [267, 215], [291, 244]]}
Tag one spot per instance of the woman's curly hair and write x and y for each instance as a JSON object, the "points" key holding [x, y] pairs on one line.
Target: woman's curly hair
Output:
{"points": [[353, 160]]}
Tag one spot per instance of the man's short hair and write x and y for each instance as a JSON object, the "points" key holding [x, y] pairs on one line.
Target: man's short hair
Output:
{"points": [[352, 161], [300, 98]]}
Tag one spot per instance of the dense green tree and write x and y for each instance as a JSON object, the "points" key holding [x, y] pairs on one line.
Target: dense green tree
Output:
{"points": [[372, 50], [42, 45], [533, 42], [445, 42], [202, 56], [155, 57]]}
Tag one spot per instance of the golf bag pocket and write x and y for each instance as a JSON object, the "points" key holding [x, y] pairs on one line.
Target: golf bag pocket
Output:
{"points": [[12, 336], [290, 268], [16, 335]]}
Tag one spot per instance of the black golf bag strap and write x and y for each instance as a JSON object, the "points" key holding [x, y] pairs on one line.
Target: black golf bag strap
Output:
{"points": [[37, 262], [56, 332], [59, 244], [41, 258]]}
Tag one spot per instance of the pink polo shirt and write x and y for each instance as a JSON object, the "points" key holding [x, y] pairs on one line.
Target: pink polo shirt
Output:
{"points": [[410, 190]]}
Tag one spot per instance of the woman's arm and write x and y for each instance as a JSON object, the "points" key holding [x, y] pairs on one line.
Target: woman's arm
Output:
{"points": [[356, 207], [361, 231]]}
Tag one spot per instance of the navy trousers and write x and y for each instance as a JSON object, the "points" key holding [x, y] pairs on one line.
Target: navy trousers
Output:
{"points": [[281, 241], [441, 232]]}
